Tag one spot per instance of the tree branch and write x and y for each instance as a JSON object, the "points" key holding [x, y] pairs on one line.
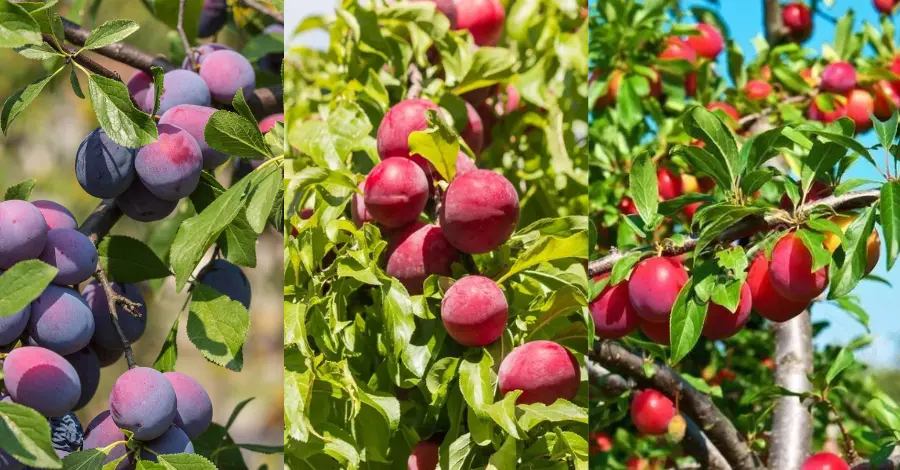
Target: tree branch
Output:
{"points": [[111, 303], [184, 39], [414, 75], [694, 404], [119, 51], [745, 123], [792, 422], [844, 202], [271, 12], [695, 442], [773, 27]]}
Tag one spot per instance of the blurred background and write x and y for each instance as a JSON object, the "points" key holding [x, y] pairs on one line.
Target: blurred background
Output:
{"points": [[41, 144], [879, 300]]}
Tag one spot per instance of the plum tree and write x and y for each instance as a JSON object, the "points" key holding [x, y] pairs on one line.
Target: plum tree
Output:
{"points": [[887, 100], [797, 18], [708, 43], [614, 316], [87, 366], [483, 18], [12, 326], [104, 169], [56, 215], [212, 17], [225, 72], [143, 401], [543, 370], [418, 251], [179, 87], [173, 441], [193, 119], [651, 411], [194, 408], [424, 456], [103, 432], [480, 211], [72, 253], [767, 301], [142, 205], [228, 279], [170, 167], [23, 232], [60, 320], [653, 287], [396, 192], [474, 311], [825, 461], [726, 109], [722, 323], [791, 273], [105, 334], [41, 379], [838, 77]]}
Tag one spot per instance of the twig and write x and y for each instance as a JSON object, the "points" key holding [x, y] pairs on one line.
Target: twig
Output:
{"points": [[414, 75], [791, 421], [849, 445], [275, 14], [82, 59], [748, 121], [847, 201], [184, 39], [119, 51], [694, 404], [111, 303]]}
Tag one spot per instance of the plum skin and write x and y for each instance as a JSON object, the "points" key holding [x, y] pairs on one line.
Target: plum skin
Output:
{"points": [[195, 409], [614, 316], [767, 301], [87, 366], [651, 412], [653, 287], [838, 77], [105, 334], [543, 370], [173, 441], [709, 43], [398, 123], [358, 211], [418, 251], [483, 18], [659, 333], [143, 401], [396, 192], [424, 456], [56, 215], [61, 320], [23, 232], [228, 279], [722, 323], [825, 461], [225, 72], [480, 211], [101, 432], [141, 205], [170, 167], [212, 17], [179, 87], [790, 270], [104, 169], [474, 311], [41, 379], [72, 253], [193, 119]]}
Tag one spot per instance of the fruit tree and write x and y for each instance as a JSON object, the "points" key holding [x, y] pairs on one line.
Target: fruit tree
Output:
{"points": [[71, 293], [724, 217], [435, 192]]}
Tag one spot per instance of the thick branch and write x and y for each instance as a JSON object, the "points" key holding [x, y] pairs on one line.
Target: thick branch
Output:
{"points": [[266, 101], [792, 422], [772, 17], [694, 404], [119, 51], [271, 12], [695, 443], [844, 202], [745, 123]]}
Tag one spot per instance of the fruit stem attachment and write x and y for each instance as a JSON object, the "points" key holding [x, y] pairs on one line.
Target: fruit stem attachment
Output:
{"points": [[111, 297]]}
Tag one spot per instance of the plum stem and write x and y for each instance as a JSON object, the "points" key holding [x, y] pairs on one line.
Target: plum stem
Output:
{"points": [[111, 296], [184, 39], [274, 14]]}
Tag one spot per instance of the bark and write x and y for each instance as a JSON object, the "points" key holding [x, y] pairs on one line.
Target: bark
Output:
{"points": [[792, 423]]}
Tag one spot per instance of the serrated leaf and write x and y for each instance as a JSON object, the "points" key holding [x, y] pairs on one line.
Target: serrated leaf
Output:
{"points": [[159, 78], [705, 125], [503, 413], [127, 259], [218, 326], [855, 241], [90, 459], [231, 134], [20, 191], [622, 269], [262, 197], [185, 462], [644, 187], [17, 27], [168, 354], [25, 435], [885, 130], [123, 123], [23, 283], [239, 103], [688, 315], [890, 220], [559, 411], [490, 65], [22, 98], [439, 144], [110, 32], [843, 360], [549, 249]]}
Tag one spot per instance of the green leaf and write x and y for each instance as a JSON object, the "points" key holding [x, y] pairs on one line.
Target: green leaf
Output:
{"points": [[262, 197], [159, 78], [885, 130], [185, 462], [843, 360], [549, 249], [456, 455], [439, 144], [25, 435], [644, 187], [20, 191], [22, 283], [123, 123], [506, 457], [820, 161], [688, 315], [705, 125], [240, 105], [167, 12], [76, 86], [628, 105], [398, 321], [218, 326], [848, 142], [17, 27], [561, 410], [890, 220], [622, 269], [126, 259], [476, 380], [490, 65], [110, 32], [168, 354], [22, 98], [704, 162], [231, 134], [90, 459], [503, 413], [814, 242], [855, 241]]}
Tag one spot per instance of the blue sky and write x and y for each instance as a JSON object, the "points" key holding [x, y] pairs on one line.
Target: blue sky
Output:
{"points": [[295, 11], [745, 21]]}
